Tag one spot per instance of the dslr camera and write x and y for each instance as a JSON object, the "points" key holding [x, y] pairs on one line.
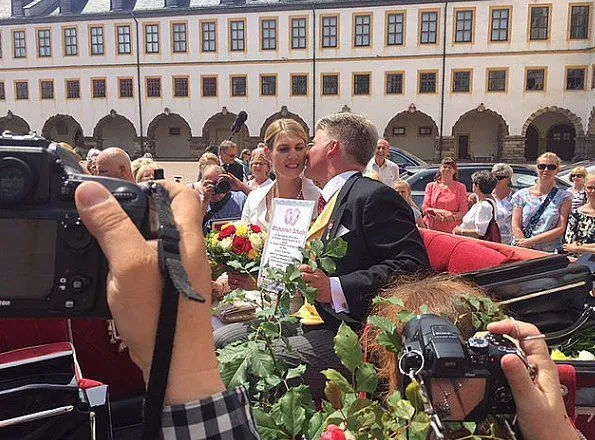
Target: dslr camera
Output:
{"points": [[50, 265], [463, 380]]}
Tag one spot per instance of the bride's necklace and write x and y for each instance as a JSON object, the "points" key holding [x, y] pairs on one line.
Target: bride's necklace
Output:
{"points": [[275, 193]]}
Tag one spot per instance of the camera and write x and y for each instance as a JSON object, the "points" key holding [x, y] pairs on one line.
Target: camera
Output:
{"points": [[464, 380], [222, 186], [50, 264]]}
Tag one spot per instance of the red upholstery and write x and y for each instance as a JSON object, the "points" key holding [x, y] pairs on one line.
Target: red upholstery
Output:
{"points": [[567, 375], [20, 333]]}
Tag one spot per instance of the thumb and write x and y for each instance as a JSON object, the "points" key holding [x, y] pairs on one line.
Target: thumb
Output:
{"points": [[520, 382], [105, 219]]}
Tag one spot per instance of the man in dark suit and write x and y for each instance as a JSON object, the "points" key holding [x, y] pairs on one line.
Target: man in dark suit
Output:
{"points": [[377, 224], [228, 153]]}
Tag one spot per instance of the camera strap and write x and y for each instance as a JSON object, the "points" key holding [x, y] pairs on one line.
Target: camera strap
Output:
{"points": [[176, 282]]}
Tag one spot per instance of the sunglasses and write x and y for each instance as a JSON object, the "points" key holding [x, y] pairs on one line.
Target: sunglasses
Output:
{"points": [[572, 176], [549, 166], [501, 177]]}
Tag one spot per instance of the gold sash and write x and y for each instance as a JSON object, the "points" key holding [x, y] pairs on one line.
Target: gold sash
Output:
{"points": [[307, 313]]}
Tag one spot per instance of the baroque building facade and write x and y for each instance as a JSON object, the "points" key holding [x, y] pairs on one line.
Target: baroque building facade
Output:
{"points": [[479, 80]]}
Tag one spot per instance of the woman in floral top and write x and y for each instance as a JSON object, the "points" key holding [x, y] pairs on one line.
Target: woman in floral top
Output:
{"points": [[580, 233], [544, 232]]}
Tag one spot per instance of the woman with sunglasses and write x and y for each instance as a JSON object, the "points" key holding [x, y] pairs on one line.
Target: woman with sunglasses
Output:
{"points": [[577, 177], [580, 233], [503, 195], [541, 212]]}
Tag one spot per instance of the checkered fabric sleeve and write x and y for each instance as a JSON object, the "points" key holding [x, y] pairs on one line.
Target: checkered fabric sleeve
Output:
{"points": [[225, 416]]}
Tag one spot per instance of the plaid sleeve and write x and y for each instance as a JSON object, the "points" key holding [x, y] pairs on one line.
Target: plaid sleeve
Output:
{"points": [[225, 416]]}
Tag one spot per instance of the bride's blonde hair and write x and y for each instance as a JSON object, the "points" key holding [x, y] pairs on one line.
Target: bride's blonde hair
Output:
{"points": [[290, 127]]}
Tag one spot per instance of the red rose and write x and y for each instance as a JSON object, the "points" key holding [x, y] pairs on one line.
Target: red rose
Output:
{"points": [[227, 232], [256, 229], [241, 245], [333, 432]]}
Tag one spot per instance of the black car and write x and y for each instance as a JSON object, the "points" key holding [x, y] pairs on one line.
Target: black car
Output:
{"points": [[523, 177], [406, 160]]}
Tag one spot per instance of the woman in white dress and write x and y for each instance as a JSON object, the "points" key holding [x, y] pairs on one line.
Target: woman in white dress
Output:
{"points": [[287, 142]]}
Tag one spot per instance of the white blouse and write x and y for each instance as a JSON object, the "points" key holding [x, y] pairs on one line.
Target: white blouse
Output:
{"points": [[478, 217], [255, 207]]}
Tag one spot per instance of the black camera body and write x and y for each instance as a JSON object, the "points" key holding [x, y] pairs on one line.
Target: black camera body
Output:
{"points": [[464, 380], [222, 186], [50, 265]]}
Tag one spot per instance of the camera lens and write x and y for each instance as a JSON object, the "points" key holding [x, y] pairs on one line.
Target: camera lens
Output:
{"points": [[16, 180], [222, 186]]}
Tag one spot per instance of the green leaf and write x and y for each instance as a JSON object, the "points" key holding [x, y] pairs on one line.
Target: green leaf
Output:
{"points": [[336, 248], [339, 379], [412, 392], [262, 363], [294, 272], [316, 426], [235, 264], [419, 427], [403, 409], [366, 378], [328, 265], [234, 371], [295, 372], [267, 427], [292, 413], [382, 323], [333, 395], [470, 426], [389, 301], [405, 316], [392, 342], [424, 309], [309, 293], [347, 347], [316, 247]]}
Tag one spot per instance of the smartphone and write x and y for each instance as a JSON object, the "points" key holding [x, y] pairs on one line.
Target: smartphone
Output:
{"points": [[158, 174]]}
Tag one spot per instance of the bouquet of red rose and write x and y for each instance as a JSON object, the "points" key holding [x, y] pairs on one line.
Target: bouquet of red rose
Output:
{"points": [[237, 247]]}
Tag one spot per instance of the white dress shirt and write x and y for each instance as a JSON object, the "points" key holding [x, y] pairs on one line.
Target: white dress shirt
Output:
{"points": [[388, 173], [332, 187]]}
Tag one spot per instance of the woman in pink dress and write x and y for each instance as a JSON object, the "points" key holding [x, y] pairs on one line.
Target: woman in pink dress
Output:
{"points": [[445, 202]]}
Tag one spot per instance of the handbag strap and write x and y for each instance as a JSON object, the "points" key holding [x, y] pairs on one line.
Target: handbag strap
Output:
{"points": [[528, 229]]}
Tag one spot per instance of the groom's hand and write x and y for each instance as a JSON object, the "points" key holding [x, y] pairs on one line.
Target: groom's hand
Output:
{"points": [[319, 280]]}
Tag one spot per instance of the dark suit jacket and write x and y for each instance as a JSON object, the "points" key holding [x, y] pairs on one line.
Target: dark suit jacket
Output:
{"points": [[382, 242], [236, 169]]}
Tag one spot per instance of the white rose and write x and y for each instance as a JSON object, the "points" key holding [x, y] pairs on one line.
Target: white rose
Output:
{"points": [[256, 241], [226, 243]]}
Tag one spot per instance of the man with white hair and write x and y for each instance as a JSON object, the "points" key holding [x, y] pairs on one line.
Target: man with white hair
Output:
{"points": [[114, 162], [386, 170]]}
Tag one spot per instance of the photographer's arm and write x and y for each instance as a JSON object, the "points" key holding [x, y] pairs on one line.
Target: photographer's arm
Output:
{"points": [[540, 407], [134, 297]]}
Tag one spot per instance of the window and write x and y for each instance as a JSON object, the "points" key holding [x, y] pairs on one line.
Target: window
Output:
{"points": [[47, 89], [497, 80], [268, 32], [424, 130], [394, 29], [237, 36], [299, 85], [399, 131], [535, 79], [98, 88], [238, 86], [500, 23], [362, 30], [2, 91], [209, 86], [44, 43], [181, 87], [19, 44], [427, 82], [330, 84], [209, 35], [126, 88], [298, 33], [175, 131], [329, 31], [22, 88], [268, 85], [96, 40], [71, 47], [461, 81], [579, 22], [153, 87], [575, 79], [124, 42], [429, 28], [361, 84], [73, 89], [151, 38], [539, 23], [394, 83], [464, 27], [179, 31]]}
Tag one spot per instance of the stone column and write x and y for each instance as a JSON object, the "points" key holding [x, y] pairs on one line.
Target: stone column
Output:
{"points": [[448, 147], [590, 146], [513, 149], [580, 148]]}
